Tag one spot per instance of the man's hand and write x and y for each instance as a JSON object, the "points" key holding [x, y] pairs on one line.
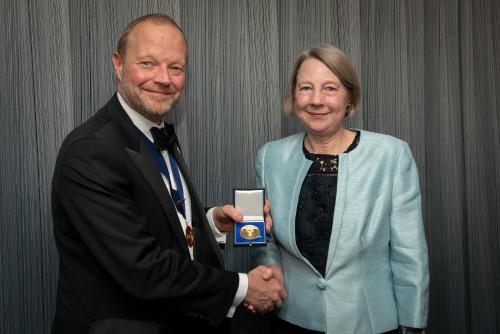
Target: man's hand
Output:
{"points": [[225, 216], [275, 273], [265, 292]]}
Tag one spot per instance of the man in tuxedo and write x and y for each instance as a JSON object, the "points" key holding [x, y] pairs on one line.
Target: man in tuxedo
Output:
{"points": [[138, 253]]}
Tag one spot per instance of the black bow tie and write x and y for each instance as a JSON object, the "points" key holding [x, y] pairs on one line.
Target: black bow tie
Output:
{"points": [[165, 138]]}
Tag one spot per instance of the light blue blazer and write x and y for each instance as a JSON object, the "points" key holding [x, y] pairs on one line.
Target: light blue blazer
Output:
{"points": [[377, 275]]}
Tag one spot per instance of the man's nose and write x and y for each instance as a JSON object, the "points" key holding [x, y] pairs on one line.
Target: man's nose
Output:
{"points": [[163, 76]]}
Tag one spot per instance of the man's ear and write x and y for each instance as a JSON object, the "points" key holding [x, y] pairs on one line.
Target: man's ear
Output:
{"points": [[117, 64]]}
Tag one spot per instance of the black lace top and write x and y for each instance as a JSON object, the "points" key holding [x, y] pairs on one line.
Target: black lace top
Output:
{"points": [[313, 222]]}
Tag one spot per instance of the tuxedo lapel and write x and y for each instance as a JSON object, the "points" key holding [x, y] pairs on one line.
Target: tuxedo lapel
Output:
{"points": [[200, 225], [149, 170], [205, 244], [140, 155]]}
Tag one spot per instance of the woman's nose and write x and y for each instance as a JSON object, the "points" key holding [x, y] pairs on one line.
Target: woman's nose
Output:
{"points": [[317, 97]]}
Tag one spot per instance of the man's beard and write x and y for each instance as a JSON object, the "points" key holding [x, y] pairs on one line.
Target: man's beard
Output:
{"points": [[141, 106]]}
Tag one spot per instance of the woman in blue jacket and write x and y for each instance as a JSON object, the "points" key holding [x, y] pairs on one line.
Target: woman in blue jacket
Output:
{"points": [[347, 239]]}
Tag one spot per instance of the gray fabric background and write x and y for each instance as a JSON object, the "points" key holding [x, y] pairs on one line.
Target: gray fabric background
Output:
{"points": [[430, 72]]}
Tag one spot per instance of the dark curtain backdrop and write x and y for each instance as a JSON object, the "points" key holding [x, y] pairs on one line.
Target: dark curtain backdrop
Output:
{"points": [[430, 71]]}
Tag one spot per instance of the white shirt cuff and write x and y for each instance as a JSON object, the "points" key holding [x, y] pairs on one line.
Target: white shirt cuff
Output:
{"points": [[240, 294], [219, 236]]}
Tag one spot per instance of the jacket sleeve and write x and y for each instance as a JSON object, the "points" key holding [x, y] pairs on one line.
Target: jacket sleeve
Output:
{"points": [[92, 190], [271, 253], [409, 261]]}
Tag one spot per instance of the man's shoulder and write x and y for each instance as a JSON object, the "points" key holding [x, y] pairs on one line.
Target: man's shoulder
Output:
{"points": [[88, 128], [98, 122], [92, 129]]}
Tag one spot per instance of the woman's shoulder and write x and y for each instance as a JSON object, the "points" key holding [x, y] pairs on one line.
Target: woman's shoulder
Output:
{"points": [[284, 143], [375, 139]]}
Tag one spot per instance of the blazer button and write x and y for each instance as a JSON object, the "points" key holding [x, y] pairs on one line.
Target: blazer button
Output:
{"points": [[321, 284]]}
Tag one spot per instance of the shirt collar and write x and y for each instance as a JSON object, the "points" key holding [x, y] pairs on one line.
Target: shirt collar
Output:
{"points": [[141, 122]]}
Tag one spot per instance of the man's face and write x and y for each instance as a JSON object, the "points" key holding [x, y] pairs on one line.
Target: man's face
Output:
{"points": [[151, 73]]}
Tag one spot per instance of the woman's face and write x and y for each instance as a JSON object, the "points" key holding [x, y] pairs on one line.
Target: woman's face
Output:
{"points": [[320, 98]]}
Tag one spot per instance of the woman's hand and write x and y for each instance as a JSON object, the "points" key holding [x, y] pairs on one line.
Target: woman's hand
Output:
{"points": [[267, 216]]}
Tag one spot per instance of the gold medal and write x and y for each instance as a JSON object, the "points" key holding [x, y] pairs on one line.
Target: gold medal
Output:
{"points": [[250, 232]]}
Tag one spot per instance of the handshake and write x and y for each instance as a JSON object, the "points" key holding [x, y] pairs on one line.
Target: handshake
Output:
{"points": [[266, 290]]}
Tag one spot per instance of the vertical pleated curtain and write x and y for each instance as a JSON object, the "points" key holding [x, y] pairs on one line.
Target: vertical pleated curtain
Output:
{"points": [[430, 73]]}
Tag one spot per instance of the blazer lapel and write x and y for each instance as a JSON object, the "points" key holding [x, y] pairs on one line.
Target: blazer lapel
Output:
{"points": [[297, 158], [338, 215], [299, 166], [304, 167]]}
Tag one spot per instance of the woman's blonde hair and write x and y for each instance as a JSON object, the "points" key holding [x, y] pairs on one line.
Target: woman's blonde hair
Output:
{"points": [[338, 63]]}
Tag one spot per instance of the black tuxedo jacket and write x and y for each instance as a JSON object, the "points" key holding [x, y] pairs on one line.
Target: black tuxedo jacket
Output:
{"points": [[124, 262]]}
